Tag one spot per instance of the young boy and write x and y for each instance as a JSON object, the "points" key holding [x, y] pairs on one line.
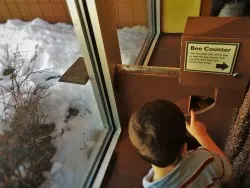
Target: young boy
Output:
{"points": [[158, 132]]}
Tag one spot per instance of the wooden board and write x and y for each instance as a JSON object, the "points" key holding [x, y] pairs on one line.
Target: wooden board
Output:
{"points": [[163, 71], [131, 12], [76, 74], [167, 51]]}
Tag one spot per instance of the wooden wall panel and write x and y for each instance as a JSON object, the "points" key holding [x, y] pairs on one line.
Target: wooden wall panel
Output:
{"points": [[206, 7], [50, 10], [134, 12], [140, 12], [128, 12], [106, 13], [131, 12]]}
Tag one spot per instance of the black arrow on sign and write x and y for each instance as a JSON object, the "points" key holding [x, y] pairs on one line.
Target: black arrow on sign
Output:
{"points": [[222, 66]]}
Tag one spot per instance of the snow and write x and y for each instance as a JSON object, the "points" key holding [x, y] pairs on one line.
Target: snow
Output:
{"points": [[57, 49], [131, 41]]}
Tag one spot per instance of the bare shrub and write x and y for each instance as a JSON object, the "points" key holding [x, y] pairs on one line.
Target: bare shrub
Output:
{"points": [[26, 148]]}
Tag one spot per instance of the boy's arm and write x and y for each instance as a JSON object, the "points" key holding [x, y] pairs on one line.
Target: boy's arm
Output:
{"points": [[199, 132]]}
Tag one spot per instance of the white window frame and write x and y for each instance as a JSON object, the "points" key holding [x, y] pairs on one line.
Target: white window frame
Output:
{"points": [[154, 25], [88, 31]]}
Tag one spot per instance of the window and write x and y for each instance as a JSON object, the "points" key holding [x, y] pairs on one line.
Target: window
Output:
{"points": [[138, 29], [98, 56], [98, 71]]}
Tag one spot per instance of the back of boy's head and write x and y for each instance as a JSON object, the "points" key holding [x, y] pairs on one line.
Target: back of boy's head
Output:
{"points": [[158, 131]]}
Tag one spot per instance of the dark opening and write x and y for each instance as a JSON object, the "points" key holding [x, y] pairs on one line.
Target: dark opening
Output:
{"points": [[200, 102]]}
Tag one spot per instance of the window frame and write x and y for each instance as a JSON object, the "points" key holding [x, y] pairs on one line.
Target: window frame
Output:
{"points": [[154, 25], [88, 32], [100, 83]]}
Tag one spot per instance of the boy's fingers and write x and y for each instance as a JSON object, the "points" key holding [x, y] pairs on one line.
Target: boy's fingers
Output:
{"points": [[192, 117]]}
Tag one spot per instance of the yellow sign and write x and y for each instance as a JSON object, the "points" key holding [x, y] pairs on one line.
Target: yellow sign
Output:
{"points": [[210, 57]]}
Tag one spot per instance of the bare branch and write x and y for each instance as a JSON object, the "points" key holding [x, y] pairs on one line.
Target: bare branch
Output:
{"points": [[28, 136]]}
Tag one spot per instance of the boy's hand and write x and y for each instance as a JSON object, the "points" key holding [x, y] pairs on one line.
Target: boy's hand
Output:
{"points": [[196, 128], [199, 131]]}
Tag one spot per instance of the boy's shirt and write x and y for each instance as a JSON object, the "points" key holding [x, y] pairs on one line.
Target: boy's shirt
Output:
{"points": [[199, 168]]}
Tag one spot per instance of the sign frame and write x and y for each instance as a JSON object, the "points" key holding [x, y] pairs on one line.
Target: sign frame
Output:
{"points": [[237, 44]]}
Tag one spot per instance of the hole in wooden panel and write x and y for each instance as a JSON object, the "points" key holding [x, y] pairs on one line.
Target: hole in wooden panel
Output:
{"points": [[200, 103]]}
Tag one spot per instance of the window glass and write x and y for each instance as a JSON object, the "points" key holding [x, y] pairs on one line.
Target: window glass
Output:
{"points": [[36, 54]]}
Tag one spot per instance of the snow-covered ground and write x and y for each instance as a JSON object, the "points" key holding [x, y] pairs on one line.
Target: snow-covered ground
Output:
{"points": [[57, 50], [131, 41]]}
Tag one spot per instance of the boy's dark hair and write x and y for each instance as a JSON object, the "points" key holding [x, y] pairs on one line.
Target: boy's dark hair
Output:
{"points": [[158, 131]]}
